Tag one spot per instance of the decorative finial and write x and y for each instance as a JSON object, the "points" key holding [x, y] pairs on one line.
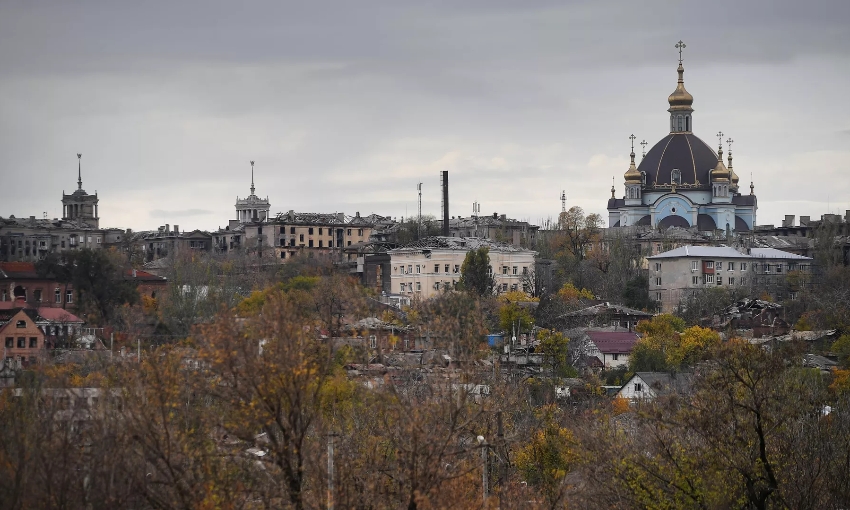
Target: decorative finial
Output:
{"points": [[720, 138], [613, 190], [79, 171], [680, 46], [729, 145], [752, 187], [252, 177], [643, 146], [632, 138]]}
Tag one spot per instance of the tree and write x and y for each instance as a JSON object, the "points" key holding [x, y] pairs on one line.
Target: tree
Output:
{"points": [[99, 281], [555, 348], [476, 275], [667, 345], [580, 230], [548, 456]]}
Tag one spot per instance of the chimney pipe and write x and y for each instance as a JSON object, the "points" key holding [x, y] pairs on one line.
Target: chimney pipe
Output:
{"points": [[446, 203]]}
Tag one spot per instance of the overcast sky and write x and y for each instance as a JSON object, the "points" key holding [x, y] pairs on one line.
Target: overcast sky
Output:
{"points": [[345, 106]]}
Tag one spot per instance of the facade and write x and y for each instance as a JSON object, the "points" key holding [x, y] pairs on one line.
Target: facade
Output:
{"points": [[497, 227], [676, 273], [168, 242], [23, 341], [30, 239], [611, 348], [21, 285], [650, 385], [682, 182], [432, 265]]}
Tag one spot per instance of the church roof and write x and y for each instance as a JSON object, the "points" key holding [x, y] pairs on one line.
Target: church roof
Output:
{"points": [[683, 151]]}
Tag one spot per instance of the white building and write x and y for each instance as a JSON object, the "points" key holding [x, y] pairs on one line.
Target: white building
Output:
{"points": [[431, 265], [650, 385], [675, 273]]}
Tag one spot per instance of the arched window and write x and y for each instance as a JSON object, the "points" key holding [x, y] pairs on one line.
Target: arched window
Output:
{"points": [[676, 176], [687, 122], [681, 123], [643, 178]]}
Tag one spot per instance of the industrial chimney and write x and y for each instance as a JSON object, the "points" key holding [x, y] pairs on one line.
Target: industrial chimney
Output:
{"points": [[445, 188]]}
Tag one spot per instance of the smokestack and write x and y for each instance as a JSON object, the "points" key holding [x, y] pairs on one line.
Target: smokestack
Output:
{"points": [[446, 203]]}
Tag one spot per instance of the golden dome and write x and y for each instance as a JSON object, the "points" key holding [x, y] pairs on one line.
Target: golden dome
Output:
{"points": [[720, 172], [632, 175], [680, 99], [734, 177]]}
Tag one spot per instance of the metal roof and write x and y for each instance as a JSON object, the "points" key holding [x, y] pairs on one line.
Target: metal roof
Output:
{"points": [[727, 252]]}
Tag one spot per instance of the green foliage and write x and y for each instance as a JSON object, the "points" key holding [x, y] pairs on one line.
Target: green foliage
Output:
{"points": [[666, 345], [841, 348], [475, 273], [555, 348], [636, 294], [548, 456]]}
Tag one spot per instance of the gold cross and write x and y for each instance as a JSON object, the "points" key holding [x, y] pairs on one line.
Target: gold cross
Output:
{"points": [[632, 138], [720, 138], [729, 144], [680, 46]]}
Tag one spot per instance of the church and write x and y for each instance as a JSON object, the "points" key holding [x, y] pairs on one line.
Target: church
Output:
{"points": [[682, 181]]}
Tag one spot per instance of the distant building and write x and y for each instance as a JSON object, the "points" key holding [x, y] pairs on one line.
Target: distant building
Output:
{"points": [[432, 265], [252, 208], [611, 348], [167, 242], [682, 182], [21, 283], [675, 273], [497, 227], [23, 341], [647, 386]]}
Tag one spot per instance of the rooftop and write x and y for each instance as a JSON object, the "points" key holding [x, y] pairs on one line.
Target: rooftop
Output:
{"points": [[727, 253], [457, 243], [613, 342]]}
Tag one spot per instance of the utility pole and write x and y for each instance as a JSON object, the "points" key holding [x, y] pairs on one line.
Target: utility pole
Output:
{"points": [[419, 227], [485, 457]]}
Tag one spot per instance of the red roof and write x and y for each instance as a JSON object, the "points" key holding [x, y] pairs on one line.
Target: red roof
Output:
{"points": [[57, 314], [613, 342], [139, 275], [18, 269]]}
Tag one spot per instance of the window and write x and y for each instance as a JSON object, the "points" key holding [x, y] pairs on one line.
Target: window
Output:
{"points": [[292, 242], [410, 269], [402, 287], [283, 254], [731, 280], [330, 244], [22, 342], [719, 280], [436, 268], [457, 268], [504, 269], [10, 341], [320, 230], [310, 243], [658, 281], [418, 286], [709, 278], [69, 296], [301, 238], [373, 342], [695, 280], [310, 230], [21, 324], [638, 387], [515, 270], [447, 269], [417, 269], [320, 243], [349, 232], [709, 264], [513, 286], [525, 270], [743, 266], [504, 287], [349, 243], [292, 230], [676, 176], [658, 266], [743, 281], [730, 266], [615, 357], [778, 268], [360, 231], [33, 342], [37, 295], [719, 265]]}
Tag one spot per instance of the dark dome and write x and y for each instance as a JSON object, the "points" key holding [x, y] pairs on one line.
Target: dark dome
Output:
{"points": [[683, 151], [674, 221]]}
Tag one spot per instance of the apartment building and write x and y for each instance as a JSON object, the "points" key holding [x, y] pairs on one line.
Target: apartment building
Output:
{"points": [[432, 265], [676, 273]]}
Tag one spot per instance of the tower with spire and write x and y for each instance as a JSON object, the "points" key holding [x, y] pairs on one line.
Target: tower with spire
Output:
{"points": [[79, 206], [252, 208], [682, 181]]}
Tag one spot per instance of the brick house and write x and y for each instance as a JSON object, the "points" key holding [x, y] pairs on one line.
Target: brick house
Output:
{"points": [[23, 340]]}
